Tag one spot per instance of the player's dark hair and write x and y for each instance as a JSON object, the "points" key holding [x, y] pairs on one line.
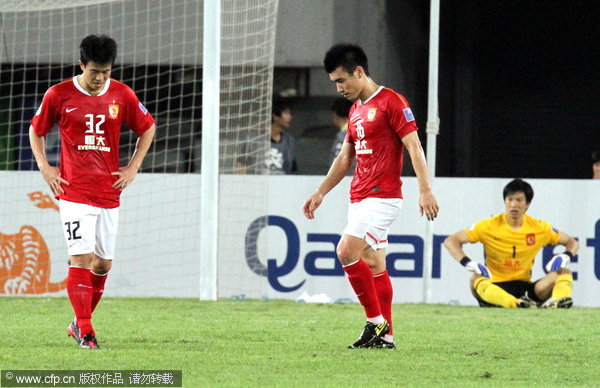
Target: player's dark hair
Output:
{"points": [[518, 186], [99, 49], [348, 56], [280, 106], [595, 157], [341, 107]]}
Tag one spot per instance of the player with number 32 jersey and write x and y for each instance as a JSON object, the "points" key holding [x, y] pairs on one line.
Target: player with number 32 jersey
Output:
{"points": [[90, 129], [90, 110]]}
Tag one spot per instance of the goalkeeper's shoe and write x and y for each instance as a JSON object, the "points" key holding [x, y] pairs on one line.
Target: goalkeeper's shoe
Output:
{"points": [[370, 334], [73, 331], [383, 344], [562, 303], [89, 342], [525, 302]]}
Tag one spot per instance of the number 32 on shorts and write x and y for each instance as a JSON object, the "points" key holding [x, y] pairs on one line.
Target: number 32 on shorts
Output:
{"points": [[71, 229]]}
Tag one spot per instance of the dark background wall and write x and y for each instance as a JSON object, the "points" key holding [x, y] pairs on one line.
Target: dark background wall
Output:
{"points": [[519, 88]]}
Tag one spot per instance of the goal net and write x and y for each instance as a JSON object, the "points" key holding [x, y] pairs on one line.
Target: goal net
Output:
{"points": [[160, 56]]}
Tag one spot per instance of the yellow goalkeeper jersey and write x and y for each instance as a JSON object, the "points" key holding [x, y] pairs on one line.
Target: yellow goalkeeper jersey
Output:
{"points": [[509, 254]]}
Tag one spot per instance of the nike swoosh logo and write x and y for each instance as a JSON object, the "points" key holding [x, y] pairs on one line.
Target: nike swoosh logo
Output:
{"points": [[69, 110]]}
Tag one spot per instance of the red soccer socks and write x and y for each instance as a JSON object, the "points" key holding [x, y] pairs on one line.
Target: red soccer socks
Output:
{"points": [[98, 284], [385, 294], [80, 290], [361, 279]]}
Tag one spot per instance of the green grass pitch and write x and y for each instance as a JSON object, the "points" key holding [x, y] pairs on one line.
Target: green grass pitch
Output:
{"points": [[253, 343]]}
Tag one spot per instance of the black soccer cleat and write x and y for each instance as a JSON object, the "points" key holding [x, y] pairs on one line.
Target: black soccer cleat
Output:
{"points": [[525, 302], [383, 344], [89, 342], [73, 331], [370, 334], [562, 303]]}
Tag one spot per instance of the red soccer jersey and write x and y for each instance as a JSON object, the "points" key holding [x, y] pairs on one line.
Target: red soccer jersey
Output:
{"points": [[90, 128], [376, 128]]}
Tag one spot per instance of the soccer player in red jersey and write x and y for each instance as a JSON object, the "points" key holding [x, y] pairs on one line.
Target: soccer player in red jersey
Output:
{"points": [[381, 125], [89, 110]]}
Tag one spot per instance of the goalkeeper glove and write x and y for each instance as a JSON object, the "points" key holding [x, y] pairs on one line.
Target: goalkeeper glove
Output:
{"points": [[475, 267], [559, 261]]}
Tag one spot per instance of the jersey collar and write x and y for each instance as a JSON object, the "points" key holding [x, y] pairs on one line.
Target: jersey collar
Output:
{"points": [[82, 90], [372, 95]]}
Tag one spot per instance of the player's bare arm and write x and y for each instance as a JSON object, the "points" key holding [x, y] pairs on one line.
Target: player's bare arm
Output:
{"points": [[127, 174], [569, 242], [454, 244], [50, 173], [427, 202], [337, 172]]}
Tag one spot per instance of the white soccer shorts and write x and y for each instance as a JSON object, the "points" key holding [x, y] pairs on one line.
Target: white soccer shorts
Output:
{"points": [[89, 229], [371, 218]]}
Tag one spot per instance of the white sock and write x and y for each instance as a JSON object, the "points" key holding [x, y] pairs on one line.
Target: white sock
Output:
{"points": [[378, 320], [388, 338]]}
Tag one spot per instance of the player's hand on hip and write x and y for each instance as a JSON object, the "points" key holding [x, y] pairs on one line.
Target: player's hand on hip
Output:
{"points": [[475, 267], [311, 204], [559, 261], [429, 205], [51, 175], [126, 176]]}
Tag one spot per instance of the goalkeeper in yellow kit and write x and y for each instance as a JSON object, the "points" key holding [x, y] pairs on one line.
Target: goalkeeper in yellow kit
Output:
{"points": [[511, 241]]}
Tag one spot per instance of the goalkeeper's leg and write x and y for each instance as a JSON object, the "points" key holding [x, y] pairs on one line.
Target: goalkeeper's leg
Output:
{"points": [[563, 286], [557, 288], [491, 293]]}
